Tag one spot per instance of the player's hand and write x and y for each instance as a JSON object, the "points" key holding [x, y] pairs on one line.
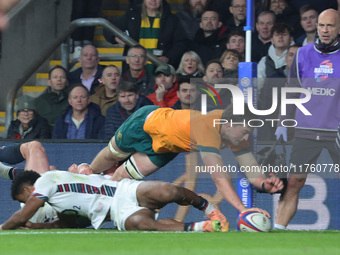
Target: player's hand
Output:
{"points": [[73, 168], [111, 170], [272, 184], [281, 131], [84, 168], [258, 210]]}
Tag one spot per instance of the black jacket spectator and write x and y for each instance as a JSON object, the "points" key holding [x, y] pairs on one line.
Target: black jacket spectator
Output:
{"points": [[210, 47], [145, 82], [259, 49], [231, 26], [291, 17], [39, 129], [172, 38], [178, 106], [190, 23]]}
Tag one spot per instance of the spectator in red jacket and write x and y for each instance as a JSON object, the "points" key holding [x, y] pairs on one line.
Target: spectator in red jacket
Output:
{"points": [[166, 87]]}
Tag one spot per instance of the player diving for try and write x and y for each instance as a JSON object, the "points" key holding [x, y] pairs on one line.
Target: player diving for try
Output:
{"points": [[152, 136], [143, 194]]}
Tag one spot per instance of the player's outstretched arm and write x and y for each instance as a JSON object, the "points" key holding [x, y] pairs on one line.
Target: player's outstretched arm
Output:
{"points": [[103, 161], [63, 221], [108, 158], [222, 180], [20, 218], [255, 175]]}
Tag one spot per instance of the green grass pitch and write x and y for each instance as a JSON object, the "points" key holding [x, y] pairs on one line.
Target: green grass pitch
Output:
{"points": [[99, 242]]}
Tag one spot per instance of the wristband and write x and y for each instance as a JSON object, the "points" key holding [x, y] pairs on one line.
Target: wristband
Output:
{"points": [[262, 187]]}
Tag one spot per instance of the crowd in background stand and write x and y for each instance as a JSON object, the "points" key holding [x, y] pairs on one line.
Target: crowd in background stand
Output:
{"points": [[204, 40]]}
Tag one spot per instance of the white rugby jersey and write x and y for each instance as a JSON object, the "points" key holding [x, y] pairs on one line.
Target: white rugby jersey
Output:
{"points": [[68, 193]]}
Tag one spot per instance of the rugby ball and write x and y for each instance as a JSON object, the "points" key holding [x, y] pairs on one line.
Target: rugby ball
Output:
{"points": [[253, 221]]}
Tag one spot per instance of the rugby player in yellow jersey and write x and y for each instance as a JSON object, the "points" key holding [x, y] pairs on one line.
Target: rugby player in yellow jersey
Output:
{"points": [[153, 136]]}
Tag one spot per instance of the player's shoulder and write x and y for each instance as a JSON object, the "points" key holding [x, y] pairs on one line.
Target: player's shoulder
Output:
{"points": [[53, 175]]}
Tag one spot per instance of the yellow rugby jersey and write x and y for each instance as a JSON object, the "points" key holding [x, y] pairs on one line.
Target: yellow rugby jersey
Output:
{"points": [[186, 130]]}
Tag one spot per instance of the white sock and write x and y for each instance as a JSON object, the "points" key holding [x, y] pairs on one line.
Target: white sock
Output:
{"points": [[198, 227], [278, 226], [4, 171], [209, 209]]}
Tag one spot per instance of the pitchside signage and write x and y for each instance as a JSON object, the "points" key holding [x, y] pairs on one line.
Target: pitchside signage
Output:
{"points": [[247, 70]]}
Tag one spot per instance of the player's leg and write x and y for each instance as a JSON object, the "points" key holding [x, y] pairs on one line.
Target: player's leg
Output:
{"points": [[289, 200], [304, 153], [145, 220], [156, 194], [128, 139], [35, 155], [10, 154], [332, 150]]}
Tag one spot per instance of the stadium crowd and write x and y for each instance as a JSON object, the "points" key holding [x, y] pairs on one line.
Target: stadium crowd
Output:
{"points": [[201, 32]]}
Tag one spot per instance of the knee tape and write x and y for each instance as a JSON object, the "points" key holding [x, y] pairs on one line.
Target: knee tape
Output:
{"points": [[116, 153], [132, 170]]}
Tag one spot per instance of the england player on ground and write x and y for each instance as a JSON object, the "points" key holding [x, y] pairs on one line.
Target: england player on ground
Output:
{"points": [[130, 204]]}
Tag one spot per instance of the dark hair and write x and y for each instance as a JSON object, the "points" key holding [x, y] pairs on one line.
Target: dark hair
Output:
{"points": [[185, 79], [294, 45], [269, 2], [23, 178], [127, 86], [228, 114], [81, 86], [211, 10], [281, 28], [236, 32], [306, 8], [137, 46], [216, 61], [113, 66], [56, 67], [186, 5]]}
